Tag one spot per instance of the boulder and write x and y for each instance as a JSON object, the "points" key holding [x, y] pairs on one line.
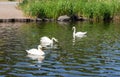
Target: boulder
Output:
{"points": [[64, 18], [77, 18]]}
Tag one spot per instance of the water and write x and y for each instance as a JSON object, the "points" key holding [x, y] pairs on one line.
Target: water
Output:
{"points": [[97, 55]]}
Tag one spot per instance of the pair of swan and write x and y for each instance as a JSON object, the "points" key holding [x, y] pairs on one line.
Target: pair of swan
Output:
{"points": [[45, 42]]}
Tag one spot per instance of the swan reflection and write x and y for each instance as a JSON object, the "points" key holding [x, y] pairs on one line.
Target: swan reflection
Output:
{"points": [[38, 60]]}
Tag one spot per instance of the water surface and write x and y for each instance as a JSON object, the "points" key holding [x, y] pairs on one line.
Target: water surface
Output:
{"points": [[98, 54]]}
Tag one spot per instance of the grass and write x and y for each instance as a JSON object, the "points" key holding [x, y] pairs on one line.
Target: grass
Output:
{"points": [[92, 9]]}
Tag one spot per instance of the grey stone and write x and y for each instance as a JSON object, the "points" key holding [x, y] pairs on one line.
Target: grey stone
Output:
{"points": [[64, 18]]}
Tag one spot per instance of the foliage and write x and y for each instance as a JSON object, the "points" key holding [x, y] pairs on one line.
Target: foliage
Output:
{"points": [[94, 9]]}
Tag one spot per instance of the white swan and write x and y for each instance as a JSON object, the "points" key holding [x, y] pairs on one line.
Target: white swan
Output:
{"points": [[36, 51], [47, 42], [78, 34]]}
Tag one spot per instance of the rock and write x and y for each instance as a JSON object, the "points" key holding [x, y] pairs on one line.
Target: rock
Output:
{"points": [[46, 19], [77, 18], [64, 18], [74, 17], [38, 19], [81, 18]]}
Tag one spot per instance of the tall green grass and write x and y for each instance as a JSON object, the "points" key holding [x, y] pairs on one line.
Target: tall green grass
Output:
{"points": [[93, 9]]}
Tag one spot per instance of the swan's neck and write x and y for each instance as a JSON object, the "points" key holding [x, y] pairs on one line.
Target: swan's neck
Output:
{"points": [[51, 45], [52, 42], [52, 39], [74, 30], [39, 48]]}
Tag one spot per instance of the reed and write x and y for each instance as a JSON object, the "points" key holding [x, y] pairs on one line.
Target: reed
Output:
{"points": [[93, 9]]}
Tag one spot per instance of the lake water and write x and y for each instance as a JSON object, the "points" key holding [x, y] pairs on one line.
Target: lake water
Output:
{"points": [[96, 55]]}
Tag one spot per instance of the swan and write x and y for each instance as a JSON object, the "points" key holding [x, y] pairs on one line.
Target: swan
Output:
{"points": [[36, 51], [47, 42], [78, 34]]}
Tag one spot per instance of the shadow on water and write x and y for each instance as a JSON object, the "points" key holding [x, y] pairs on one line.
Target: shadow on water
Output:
{"points": [[94, 55]]}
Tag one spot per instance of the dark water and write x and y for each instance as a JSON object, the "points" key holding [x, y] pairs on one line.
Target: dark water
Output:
{"points": [[97, 55]]}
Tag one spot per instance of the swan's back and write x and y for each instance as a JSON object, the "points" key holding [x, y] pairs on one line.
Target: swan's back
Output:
{"points": [[45, 40], [80, 34]]}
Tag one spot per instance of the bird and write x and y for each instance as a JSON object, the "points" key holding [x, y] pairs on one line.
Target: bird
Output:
{"points": [[78, 34], [47, 42], [34, 51]]}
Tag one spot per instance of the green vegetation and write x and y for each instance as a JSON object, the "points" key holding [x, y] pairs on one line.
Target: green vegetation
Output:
{"points": [[92, 9]]}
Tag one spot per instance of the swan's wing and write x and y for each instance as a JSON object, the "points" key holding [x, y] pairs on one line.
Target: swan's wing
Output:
{"points": [[44, 38], [45, 41], [32, 51]]}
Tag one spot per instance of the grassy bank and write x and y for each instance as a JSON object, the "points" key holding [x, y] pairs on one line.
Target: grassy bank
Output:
{"points": [[92, 9]]}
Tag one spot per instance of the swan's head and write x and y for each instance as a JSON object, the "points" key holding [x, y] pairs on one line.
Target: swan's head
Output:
{"points": [[39, 46], [73, 28]]}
